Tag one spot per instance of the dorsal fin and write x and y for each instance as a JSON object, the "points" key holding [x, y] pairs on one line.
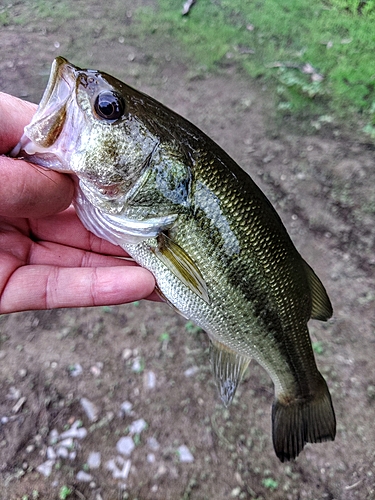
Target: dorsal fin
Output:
{"points": [[228, 368], [321, 305]]}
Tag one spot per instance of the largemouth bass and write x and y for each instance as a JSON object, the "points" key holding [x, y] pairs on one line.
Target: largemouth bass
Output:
{"points": [[150, 181]]}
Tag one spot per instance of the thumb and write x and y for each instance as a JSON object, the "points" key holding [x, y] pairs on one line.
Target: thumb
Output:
{"points": [[26, 190], [30, 191]]}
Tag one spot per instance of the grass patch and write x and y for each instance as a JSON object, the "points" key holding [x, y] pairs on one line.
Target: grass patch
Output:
{"points": [[320, 55]]}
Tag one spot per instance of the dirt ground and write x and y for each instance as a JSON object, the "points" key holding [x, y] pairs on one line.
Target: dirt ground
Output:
{"points": [[146, 356]]}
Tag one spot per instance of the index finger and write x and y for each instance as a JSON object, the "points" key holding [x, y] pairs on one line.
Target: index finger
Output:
{"points": [[14, 115]]}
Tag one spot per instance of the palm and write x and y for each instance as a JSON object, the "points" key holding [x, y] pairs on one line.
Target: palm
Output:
{"points": [[47, 258], [54, 262]]}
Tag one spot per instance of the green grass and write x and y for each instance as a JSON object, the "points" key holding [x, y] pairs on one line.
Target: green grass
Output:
{"points": [[320, 55]]}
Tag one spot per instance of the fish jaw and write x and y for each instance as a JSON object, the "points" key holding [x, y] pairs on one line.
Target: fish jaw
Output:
{"points": [[42, 142]]}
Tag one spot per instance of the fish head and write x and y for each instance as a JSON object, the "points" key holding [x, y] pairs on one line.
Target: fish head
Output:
{"points": [[87, 124]]}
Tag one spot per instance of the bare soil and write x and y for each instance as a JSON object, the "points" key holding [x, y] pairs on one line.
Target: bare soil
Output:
{"points": [[323, 188]]}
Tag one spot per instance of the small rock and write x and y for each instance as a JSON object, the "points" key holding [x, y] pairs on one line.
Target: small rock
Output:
{"points": [[149, 380], [75, 370], [151, 458], [126, 354], [119, 467], [4, 420], [84, 477], [126, 408], [16, 408], [96, 370], [51, 454], [72, 455], [185, 454], [94, 459], [53, 436], [153, 444], [191, 371], [74, 433], [13, 393], [137, 426], [46, 468], [137, 365], [90, 409], [62, 452], [125, 445], [67, 442], [162, 470]]}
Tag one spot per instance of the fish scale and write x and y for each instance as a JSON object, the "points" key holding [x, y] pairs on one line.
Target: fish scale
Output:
{"points": [[150, 181]]}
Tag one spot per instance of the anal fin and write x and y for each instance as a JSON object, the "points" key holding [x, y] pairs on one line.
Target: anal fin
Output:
{"points": [[228, 368]]}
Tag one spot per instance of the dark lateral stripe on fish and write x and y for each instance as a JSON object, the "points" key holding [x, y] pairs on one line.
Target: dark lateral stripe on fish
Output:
{"points": [[302, 421]]}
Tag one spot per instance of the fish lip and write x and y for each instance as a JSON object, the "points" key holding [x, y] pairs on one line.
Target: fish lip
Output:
{"points": [[45, 127], [61, 71]]}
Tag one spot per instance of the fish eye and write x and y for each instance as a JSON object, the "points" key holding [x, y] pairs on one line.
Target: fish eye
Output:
{"points": [[109, 105]]}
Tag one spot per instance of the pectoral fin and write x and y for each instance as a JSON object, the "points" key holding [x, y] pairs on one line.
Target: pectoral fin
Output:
{"points": [[228, 368], [321, 305], [181, 265]]}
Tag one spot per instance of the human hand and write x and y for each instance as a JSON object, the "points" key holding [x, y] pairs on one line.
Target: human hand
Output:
{"points": [[48, 259]]}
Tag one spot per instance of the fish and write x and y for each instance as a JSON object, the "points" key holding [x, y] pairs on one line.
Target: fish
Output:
{"points": [[150, 181]]}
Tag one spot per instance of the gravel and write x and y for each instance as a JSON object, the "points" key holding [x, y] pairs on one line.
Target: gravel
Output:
{"points": [[125, 445]]}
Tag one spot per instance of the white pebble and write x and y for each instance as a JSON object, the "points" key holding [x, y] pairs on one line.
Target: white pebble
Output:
{"points": [[83, 476], [4, 420], [125, 445], [120, 471], [94, 459], [72, 455], [46, 468], [137, 426], [74, 433], [90, 409], [191, 371], [137, 365], [153, 444], [185, 454], [149, 380], [53, 436], [67, 442], [76, 370], [126, 408], [51, 454], [151, 458], [62, 452], [126, 354]]}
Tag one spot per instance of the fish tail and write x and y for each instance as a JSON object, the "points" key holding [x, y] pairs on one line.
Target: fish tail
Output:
{"points": [[299, 421]]}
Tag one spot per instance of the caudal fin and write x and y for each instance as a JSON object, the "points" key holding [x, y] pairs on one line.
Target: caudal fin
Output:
{"points": [[301, 421]]}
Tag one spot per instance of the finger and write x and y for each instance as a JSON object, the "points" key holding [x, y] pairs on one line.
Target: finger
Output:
{"points": [[66, 229], [30, 191], [14, 115], [54, 254], [47, 287]]}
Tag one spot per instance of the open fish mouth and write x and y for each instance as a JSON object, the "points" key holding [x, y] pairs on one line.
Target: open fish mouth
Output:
{"points": [[40, 142]]}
